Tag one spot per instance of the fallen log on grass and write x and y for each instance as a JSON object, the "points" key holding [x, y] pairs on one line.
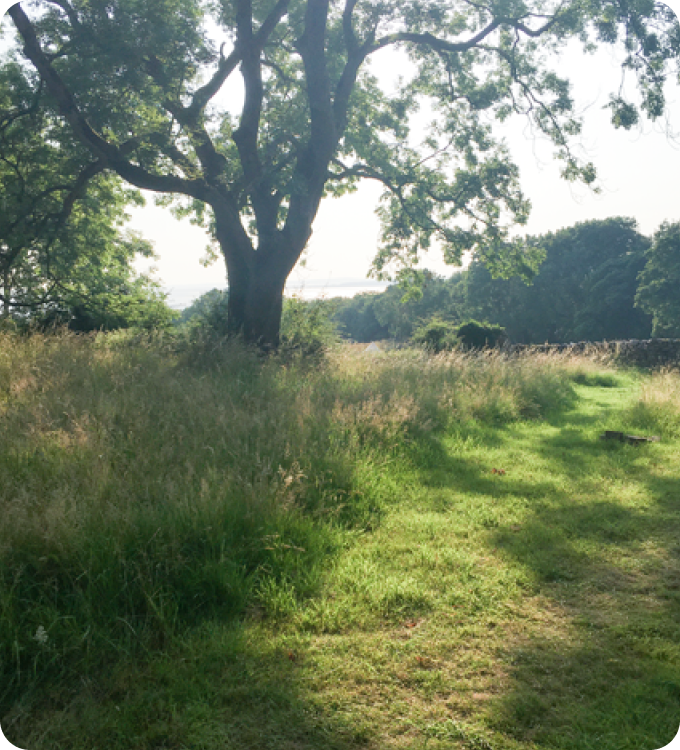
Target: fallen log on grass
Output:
{"points": [[631, 439]]}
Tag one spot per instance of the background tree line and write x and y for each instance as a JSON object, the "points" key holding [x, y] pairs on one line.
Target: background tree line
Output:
{"points": [[598, 280]]}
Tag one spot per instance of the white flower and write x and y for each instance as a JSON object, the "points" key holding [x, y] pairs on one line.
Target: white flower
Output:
{"points": [[41, 635]]}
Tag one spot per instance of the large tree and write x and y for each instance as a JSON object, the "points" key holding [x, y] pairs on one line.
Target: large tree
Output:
{"points": [[137, 80]]}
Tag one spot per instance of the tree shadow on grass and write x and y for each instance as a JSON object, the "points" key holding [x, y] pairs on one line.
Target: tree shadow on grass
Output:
{"points": [[600, 547], [608, 677], [201, 675], [437, 465], [587, 696], [222, 687], [148, 638]]}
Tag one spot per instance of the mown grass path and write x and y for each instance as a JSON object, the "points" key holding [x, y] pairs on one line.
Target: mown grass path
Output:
{"points": [[520, 590], [528, 590]]}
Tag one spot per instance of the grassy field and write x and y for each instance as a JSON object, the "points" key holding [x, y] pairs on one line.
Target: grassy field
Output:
{"points": [[201, 550]]}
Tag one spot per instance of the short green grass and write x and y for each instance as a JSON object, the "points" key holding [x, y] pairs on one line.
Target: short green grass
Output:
{"points": [[202, 550]]}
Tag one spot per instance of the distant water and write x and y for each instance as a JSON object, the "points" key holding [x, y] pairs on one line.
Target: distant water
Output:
{"points": [[182, 295]]}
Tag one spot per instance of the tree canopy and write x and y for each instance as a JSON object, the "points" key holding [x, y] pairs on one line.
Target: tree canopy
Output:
{"points": [[659, 289], [63, 253], [138, 83], [584, 290]]}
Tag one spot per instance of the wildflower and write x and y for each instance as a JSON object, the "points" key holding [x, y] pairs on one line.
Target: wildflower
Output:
{"points": [[41, 635]]}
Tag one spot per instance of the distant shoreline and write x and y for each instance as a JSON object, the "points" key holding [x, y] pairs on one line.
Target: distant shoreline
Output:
{"points": [[182, 295]]}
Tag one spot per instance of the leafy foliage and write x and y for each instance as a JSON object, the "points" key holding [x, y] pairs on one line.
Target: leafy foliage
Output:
{"points": [[307, 327], [659, 290], [476, 335], [584, 290], [397, 312], [208, 311], [357, 317], [436, 335], [64, 257]]}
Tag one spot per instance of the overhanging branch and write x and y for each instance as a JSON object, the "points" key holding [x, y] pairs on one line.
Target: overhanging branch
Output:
{"points": [[111, 155], [443, 45], [227, 65]]}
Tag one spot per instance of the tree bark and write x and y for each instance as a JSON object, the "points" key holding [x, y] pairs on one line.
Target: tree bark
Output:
{"points": [[256, 277], [7, 294], [256, 303]]}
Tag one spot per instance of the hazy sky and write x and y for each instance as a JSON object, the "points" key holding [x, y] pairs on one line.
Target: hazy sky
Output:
{"points": [[639, 173]]}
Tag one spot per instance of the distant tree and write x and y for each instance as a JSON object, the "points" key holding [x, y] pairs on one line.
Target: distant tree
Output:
{"points": [[356, 318], [659, 282], [136, 81], [402, 308], [63, 254], [399, 310], [508, 302], [608, 310], [584, 289]]}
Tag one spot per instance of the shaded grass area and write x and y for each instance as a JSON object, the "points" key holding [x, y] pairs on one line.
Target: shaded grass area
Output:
{"points": [[394, 552]]}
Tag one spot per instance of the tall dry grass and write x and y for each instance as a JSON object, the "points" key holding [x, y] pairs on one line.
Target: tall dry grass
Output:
{"points": [[147, 486], [658, 408]]}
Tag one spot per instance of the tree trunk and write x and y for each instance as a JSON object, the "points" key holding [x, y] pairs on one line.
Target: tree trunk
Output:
{"points": [[257, 277], [256, 298], [7, 294], [254, 310]]}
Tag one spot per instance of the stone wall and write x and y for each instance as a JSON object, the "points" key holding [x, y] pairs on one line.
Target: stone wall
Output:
{"points": [[638, 353]]}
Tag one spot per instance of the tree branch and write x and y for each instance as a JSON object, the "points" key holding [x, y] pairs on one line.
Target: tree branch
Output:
{"points": [[227, 65], [110, 154], [246, 135], [351, 43], [442, 45]]}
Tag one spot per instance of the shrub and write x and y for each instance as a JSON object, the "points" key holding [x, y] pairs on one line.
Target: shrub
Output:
{"points": [[436, 335], [209, 311], [306, 327], [475, 335]]}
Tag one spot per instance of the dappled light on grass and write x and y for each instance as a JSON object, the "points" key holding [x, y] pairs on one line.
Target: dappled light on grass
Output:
{"points": [[401, 551]]}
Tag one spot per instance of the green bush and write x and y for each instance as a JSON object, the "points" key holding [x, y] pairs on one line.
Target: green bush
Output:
{"points": [[139, 305], [306, 327], [439, 335], [209, 312], [475, 335], [436, 335]]}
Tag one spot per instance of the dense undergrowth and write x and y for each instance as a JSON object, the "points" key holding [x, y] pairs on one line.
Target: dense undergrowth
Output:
{"points": [[149, 488]]}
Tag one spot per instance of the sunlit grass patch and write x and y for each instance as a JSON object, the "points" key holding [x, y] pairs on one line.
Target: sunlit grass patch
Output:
{"points": [[399, 551]]}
